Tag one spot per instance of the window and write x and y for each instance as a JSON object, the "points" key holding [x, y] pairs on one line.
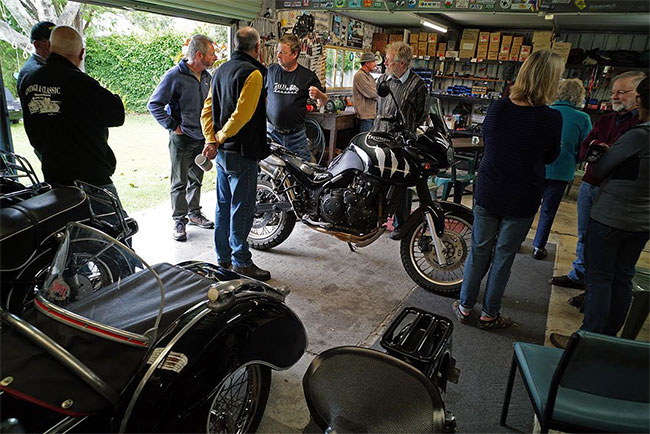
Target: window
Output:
{"points": [[340, 66]]}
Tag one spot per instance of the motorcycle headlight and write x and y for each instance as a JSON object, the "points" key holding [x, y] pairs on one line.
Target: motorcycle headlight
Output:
{"points": [[450, 155]]}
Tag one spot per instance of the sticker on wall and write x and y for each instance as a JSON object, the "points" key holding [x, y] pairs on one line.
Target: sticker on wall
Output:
{"points": [[505, 4], [489, 6], [581, 4], [428, 4], [354, 3], [518, 6], [449, 3], [378, 4], [339, 3], [476, 6], [305, 2], [412, 3], [327, 5], [463, 4], [367, 3]]}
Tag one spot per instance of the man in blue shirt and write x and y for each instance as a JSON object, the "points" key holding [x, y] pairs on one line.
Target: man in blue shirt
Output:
{"points": [[176, 104]]}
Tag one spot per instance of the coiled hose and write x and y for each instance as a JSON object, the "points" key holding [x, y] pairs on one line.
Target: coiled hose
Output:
{"points": [[316, 139]]}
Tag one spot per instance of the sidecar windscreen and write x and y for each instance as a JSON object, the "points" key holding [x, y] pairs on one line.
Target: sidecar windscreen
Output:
{"points": [[89, 283]]}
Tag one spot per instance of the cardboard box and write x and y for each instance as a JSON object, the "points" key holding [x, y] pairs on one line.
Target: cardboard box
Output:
{"points": [[562, 48], [414, 47], [451, 44], [524, 52], [538, 46], [495, 41], [506, 42], [442, 47], [493, 55], [466, 54], [471, 34], [424, 37], [433, 38], [413, 38], [542, 36], [482, 54], [518, 40], [451, 53], [483, 46], [431, 49], [422, 46], [484, 38], [395, 37]]}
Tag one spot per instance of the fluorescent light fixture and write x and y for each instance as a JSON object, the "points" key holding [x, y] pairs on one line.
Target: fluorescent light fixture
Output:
{"points": [[434, 26]]}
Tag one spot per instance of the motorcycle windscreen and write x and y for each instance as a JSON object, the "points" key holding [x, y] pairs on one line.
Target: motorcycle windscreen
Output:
{"points": [[383, 158]]}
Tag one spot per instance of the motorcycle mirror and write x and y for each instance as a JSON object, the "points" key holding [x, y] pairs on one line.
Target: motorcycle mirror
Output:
{"points": [[383, 90]]}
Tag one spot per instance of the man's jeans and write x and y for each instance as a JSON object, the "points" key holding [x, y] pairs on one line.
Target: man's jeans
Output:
{"points": [[586, 198], [236, 186], [553, 191], [296, 142], [186, 177], [365, 125], [611, 255], [508, 233]]}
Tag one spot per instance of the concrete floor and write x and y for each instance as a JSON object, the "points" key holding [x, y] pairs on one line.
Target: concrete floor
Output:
{"points": [[349, 296]]}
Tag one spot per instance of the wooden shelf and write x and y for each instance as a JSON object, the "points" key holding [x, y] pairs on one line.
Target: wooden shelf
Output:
{"points": [[462, 98], [472, 60], [460, 77]]}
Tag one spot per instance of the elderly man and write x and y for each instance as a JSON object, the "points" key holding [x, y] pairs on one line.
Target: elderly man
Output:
{"points": [[411, 94], [606, 130], [176, 104], [68, 115], [235, 109], [288, 85], [364, 91], [40, 38]]}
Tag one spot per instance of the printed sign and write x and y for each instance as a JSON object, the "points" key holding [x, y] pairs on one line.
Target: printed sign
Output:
{"points": [[464, 4], [355, 33]]}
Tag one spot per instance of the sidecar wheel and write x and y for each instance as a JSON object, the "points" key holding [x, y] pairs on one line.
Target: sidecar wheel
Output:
{"points": [[238, 403], [419, 256], [269, 229]]}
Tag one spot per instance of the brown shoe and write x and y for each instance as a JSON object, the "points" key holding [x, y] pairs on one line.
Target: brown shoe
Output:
{"points": [[566, 282], [253, 271], [200, 220], [560, 341]]}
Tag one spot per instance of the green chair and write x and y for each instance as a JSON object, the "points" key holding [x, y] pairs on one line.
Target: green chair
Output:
{"points": [[599, 383], [449, 179]]}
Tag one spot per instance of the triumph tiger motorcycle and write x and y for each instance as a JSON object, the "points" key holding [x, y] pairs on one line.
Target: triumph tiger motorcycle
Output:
{"points": [[162, 348], [353, 197], [33, 216]]}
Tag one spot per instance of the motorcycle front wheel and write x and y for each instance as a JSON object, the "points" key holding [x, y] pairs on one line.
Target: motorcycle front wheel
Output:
{"points": [[271, 228], [238, 403], [421, 263]]}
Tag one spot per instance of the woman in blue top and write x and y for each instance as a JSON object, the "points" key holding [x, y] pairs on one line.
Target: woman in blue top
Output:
{"points": [[521, 134], [575, 128]]}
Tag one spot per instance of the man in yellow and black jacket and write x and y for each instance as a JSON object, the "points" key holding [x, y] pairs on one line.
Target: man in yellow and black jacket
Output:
{"points": [[235, 109]]}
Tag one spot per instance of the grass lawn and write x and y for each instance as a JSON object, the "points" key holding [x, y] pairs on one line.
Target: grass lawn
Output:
{"points": [[143, 167]]}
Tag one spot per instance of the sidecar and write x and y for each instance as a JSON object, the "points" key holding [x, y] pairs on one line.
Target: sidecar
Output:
{"points": [[115, 345]]}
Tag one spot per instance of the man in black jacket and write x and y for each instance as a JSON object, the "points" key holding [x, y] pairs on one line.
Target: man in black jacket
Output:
{"points": [[68, 115], [40, 38], [236, 109]]}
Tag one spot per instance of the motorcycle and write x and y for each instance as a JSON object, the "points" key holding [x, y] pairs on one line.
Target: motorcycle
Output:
{"points": [[171, 348], [353, 197], [355, 389], [33, 217]]}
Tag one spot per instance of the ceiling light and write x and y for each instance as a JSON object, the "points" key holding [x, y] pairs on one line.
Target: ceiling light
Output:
{"points": [[434, 26]]}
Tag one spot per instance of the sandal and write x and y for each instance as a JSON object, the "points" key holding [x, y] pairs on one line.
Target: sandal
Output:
{"points": [[463, 318], [500, 322]]}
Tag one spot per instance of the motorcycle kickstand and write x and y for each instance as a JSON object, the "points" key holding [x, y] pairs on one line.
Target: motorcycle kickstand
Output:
{"points": [[352, 247]]}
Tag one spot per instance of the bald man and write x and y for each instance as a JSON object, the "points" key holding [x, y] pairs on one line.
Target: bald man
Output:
{"points": [[68, 115]]}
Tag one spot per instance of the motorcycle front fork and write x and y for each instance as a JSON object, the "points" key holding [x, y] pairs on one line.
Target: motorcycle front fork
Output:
{"points": [[431, 220], [438, 245]]}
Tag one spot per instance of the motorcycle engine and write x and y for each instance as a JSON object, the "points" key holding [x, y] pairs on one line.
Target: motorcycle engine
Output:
{"points": [[353, 207]]}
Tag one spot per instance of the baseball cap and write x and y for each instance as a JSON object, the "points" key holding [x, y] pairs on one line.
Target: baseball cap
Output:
{"points": [[41, 31]]}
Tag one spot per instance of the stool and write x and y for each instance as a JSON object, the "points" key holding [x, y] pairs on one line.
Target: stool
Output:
{"points": [[640, 304]]}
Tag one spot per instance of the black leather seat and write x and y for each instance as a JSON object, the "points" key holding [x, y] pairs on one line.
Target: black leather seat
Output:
{"points": [[27, 224]]}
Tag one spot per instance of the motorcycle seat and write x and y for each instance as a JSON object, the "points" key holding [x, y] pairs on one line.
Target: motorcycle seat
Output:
{"points": [[354, 389], [27, 224]]}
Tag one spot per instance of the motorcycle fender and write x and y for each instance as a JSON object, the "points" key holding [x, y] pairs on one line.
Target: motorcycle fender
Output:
{"points": [[254, 330], [458, 210], [417, 216]]}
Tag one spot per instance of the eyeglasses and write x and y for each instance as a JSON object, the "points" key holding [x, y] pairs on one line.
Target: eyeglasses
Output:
{"points": [[620, 92]]}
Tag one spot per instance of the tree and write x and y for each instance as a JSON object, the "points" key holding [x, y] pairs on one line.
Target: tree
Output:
{"points": [[18, 17]]}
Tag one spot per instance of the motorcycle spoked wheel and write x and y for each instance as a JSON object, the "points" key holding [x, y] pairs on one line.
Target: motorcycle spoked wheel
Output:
{"points": [[269, 229], [238, 404], [419, 256]]}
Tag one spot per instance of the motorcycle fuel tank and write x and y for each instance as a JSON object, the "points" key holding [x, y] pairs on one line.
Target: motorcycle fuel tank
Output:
{"points": [[382, 157]]}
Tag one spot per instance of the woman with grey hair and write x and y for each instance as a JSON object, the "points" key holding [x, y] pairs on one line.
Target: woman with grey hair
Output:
{"points": [[575, 128]]}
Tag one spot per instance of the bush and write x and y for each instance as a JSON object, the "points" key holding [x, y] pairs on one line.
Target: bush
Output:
{"points": [[132, 67]]}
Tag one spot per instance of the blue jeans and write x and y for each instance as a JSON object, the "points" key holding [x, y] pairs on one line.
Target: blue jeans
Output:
{"points": [[296, 142], [236, 185], [365, 125], [553, 191], [586, 197], [611, 255], [508, 233]]}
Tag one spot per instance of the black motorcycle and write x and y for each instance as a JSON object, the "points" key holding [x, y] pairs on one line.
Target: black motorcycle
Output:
{"points": [[162, 348], [353, 197], [33, 216]]}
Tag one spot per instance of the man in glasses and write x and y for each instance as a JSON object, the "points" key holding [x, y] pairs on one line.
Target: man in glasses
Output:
{"points": [[607, 130]]}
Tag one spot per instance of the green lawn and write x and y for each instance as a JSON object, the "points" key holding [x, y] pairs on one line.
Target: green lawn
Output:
{"points": [[142, 174]]}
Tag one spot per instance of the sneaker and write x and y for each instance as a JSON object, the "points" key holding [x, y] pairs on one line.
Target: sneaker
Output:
{"points": [[500, 322], [201, 221], [539, 254], [253, 271], [560, 341], [578, 301], [395, 235], [566, 282], [179, 231]]}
